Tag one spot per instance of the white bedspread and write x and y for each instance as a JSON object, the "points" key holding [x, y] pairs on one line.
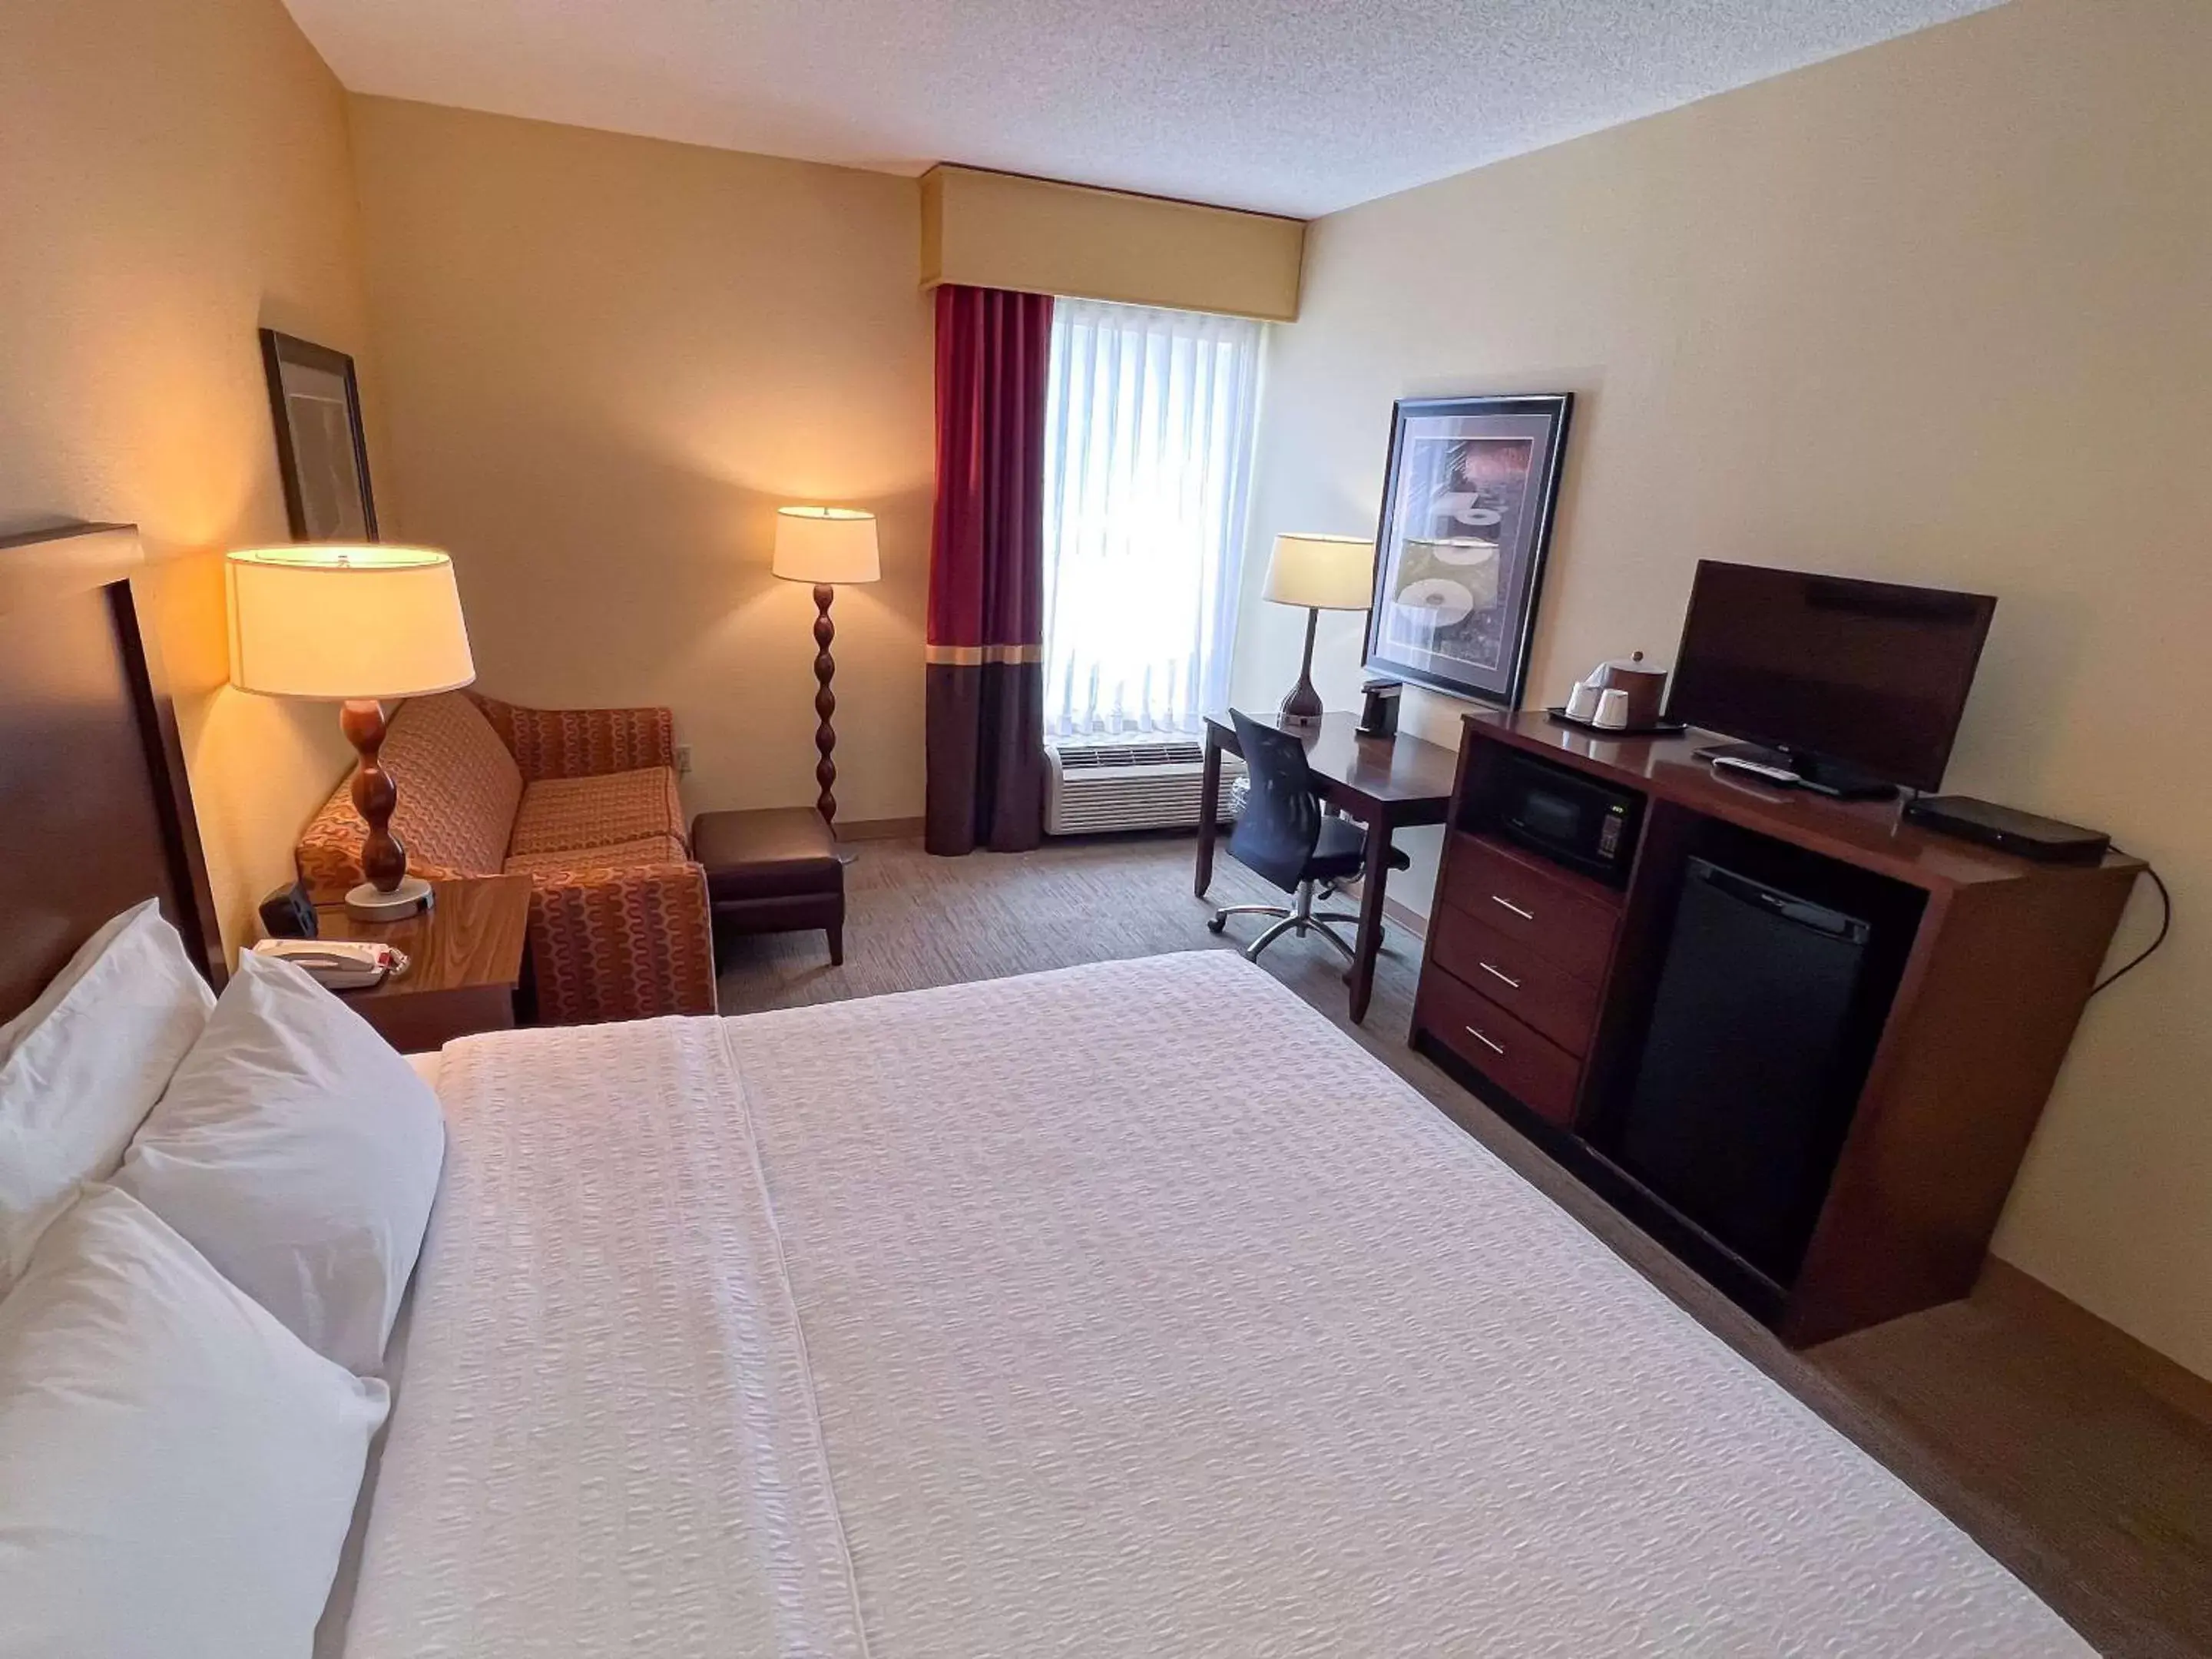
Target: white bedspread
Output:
{"points": [[1130, 1309], [609, 1446]]}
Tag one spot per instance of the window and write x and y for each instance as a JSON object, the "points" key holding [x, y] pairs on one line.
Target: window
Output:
{"points": [[1148, 457]]}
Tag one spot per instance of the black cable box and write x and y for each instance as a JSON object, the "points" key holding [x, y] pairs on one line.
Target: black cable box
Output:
{"points": [[2023, 834]]}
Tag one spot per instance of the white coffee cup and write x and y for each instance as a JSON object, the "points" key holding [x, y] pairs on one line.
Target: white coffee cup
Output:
{"points": [[1612, 710], [1582, 701]]}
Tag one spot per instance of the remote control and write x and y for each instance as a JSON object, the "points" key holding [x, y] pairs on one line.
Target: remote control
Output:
{"points": [[1771, 774]]}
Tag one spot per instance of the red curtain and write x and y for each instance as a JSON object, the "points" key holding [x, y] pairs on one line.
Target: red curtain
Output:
{"points": [[986, 687]]}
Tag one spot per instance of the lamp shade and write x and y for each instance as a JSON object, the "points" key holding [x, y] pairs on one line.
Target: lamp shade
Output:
{"points": [[825, 544], [341, 623], [1329, 572]]}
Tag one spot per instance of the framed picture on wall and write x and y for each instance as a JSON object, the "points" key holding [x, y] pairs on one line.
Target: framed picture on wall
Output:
{"points": [[321, 452], [1467, 501]]}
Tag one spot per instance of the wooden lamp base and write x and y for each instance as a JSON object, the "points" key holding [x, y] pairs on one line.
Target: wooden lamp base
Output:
{"points": [[390, 894], [825, 705]]}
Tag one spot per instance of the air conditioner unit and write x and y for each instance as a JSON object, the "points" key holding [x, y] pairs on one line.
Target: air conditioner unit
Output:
{"points": [[1140, 781]]}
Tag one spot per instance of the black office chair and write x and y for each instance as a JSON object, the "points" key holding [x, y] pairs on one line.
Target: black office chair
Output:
{"points": [[1283, 837]]}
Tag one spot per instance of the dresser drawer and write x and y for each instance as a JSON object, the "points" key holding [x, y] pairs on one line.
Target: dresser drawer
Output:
{"points": [[1534, 1071], [1533, 988], [1557, 915]]}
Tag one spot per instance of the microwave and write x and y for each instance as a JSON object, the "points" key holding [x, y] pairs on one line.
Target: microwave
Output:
{"points": [[1562, 814]]}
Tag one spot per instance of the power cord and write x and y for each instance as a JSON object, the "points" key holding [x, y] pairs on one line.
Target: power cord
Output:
{"points": [[2165, 925]]}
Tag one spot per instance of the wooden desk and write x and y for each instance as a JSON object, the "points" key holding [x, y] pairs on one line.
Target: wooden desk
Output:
{"points": [[1386, 783], [465, 962]]}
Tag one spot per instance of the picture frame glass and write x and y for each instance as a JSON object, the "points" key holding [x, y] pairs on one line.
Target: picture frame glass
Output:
{"points": [[322, 452], [319, 412], [1467, 514]]}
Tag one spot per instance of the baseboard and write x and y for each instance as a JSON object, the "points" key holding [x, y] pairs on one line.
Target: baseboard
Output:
{"points": [[2031, 1301], [1411, 920], [878, 829]]}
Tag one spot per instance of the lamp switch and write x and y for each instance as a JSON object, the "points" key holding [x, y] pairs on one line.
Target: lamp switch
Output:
{"points": [[682, 760]]}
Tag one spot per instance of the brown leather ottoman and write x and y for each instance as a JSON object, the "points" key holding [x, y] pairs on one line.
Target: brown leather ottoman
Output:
{"points": [[773, 871]]}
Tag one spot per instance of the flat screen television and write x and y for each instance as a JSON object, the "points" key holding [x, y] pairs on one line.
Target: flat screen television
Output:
{"points": [[1851, 685]]}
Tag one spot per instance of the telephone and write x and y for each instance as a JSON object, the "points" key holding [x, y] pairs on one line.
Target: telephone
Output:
{"points": [[339, 965]]}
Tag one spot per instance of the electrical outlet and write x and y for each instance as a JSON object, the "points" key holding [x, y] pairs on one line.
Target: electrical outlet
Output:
{"points": [[682, 760]]}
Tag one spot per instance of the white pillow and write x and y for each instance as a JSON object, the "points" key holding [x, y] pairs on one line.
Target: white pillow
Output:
{"points": [[179, 1472], [299, 1154], [81, 1066]]}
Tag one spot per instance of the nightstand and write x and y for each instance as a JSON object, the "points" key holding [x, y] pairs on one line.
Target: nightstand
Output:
{"points": [[465, 962]]}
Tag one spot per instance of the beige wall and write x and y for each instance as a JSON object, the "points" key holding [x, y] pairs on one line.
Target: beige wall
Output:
{"points": [[1040, 236], [171, 178], [1936, 312], [606, 361]]}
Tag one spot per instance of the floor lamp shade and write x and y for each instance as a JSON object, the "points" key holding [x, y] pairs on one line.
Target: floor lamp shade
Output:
{"points": [[827, 546], [1321, 573], [359, 626]]}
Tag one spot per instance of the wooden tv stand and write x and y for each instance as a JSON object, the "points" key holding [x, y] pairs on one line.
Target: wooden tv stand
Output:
{"points": [[1538, 984]]}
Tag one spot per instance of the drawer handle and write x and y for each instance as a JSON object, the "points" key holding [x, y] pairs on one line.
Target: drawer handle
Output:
{"points": [[1525, 915], [1494, 1047], [1503, 979]]}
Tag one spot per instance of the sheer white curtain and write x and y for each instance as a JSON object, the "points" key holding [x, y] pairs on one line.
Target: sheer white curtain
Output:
{"points": [[1148, 455]]}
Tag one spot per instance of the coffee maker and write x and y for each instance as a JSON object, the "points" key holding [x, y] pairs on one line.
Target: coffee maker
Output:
{"points": [[1378, 708]]}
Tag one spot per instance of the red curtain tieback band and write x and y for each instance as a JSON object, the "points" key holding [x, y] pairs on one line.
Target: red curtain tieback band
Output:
{"points": [[970, 655]]}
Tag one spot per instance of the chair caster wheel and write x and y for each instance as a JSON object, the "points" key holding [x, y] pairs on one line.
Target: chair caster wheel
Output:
{"points": [[1217, 925]]}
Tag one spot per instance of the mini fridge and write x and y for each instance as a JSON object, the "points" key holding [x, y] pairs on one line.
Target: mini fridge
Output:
{"points": [[1757, 1046]]}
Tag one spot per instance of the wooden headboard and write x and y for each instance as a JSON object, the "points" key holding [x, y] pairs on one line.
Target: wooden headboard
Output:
{"points": [[94, 810]]}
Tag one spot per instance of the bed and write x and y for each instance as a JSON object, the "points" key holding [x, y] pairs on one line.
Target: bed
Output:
{"points": [[1129, 1309], [1126, 1310]]}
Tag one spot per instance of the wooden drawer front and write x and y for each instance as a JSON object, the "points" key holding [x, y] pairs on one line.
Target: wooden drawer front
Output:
{"points": [[1534, 1071], [1532, 987], [1547, 911]]}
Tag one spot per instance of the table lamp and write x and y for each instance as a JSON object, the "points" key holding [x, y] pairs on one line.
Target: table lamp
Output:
{"points": [[827, 546], [356, 626], [1321, 573]]}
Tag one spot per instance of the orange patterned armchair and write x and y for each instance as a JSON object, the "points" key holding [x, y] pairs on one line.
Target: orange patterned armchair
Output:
{"points": [[581, 800]]}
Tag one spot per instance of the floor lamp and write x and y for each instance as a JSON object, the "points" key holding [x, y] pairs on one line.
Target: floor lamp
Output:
{"points": [[359, 626], [828, 546]]}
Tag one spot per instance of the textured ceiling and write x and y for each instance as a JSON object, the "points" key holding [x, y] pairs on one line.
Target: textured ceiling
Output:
{"points": [[1298, 108]]}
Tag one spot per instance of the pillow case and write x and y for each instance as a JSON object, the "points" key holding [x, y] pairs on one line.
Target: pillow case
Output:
{"points": [[81, 1066], [299, 1153], [180, 1470]]}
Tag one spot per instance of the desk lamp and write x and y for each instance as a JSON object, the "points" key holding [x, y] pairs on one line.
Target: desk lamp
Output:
{"points": [[1321, 573]]}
